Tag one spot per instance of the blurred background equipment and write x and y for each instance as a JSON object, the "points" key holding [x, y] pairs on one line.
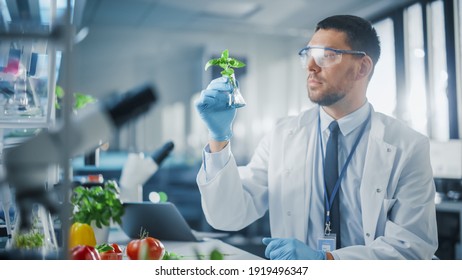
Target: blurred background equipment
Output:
{"points": [[26, 165], [446, 160], [138, 169]]}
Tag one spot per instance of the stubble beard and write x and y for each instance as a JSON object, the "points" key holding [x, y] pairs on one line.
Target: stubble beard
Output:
{"points": [[325, 99]]}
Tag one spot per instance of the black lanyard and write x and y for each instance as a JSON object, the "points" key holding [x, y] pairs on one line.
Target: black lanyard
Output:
{"points": [[330, 200]]}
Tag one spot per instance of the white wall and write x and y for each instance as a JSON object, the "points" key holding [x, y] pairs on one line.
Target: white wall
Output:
{"points": [[115, 60]]}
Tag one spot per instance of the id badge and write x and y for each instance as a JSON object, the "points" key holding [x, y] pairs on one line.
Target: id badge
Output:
{"points": [[327, 243]]}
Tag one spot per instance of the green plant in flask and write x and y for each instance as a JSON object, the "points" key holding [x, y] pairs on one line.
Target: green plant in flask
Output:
{"points": [[227, 64]]}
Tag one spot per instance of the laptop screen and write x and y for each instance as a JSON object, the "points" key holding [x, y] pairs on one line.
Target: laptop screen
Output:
{"points": [[160, 220]]}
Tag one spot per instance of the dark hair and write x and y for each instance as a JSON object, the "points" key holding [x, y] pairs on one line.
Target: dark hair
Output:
{"points": [[361, 35]]}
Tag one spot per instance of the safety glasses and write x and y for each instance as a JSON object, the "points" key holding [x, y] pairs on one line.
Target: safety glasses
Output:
{"points": [[324, 57]]}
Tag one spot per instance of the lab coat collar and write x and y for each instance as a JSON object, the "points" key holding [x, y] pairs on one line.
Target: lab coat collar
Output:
{"points": [[349, 122]]}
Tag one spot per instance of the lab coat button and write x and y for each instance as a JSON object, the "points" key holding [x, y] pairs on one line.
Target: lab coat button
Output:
{"points": [[368, 234], [388, 150], [289, 213], [378, 190]]}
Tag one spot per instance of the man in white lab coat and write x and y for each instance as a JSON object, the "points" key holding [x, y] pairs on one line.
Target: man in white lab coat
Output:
{"points": [[384, 184]]}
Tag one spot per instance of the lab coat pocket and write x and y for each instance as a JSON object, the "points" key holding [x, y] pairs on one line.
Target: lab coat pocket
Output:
{"points": [[388, 204]]}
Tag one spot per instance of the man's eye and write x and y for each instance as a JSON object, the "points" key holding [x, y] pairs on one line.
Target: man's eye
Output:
{"points": [[329, 54]]}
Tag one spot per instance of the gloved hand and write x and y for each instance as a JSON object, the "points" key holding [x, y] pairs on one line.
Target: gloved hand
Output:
{"points": [[213, 108], [290, 249]]}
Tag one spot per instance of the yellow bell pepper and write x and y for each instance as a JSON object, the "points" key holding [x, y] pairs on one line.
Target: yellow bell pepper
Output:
{"points": [[81, 234]]}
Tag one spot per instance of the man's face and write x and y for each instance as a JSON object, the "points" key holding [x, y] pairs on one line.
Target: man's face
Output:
{"points": [[327, 85]]}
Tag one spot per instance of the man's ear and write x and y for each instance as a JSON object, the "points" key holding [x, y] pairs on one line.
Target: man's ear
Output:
{"points": [[365, 68]]}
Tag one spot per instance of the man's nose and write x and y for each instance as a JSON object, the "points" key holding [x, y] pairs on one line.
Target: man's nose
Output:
{"points": [[312, 66]]}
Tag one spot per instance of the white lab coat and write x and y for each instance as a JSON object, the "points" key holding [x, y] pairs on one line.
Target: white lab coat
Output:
{"points": [[397, 189]]}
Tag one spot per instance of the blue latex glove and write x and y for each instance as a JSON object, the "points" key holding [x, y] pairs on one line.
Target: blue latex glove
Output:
{"points": [[290, 249], [213, 108]]}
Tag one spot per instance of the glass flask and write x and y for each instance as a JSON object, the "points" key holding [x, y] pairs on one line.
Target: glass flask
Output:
{"points": [[235, 97]]}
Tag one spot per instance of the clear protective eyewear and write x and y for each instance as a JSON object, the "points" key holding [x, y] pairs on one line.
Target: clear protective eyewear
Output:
{"points": [[323, 56]]}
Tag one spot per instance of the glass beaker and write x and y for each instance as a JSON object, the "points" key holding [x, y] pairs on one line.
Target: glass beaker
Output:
{"points": [[235, 97]]}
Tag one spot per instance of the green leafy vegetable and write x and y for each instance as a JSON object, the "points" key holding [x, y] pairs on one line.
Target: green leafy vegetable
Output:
{"points": [[98, 204], [30, 240], [80, 100], [215, 254], [171, 256], [104, 248], [227, 64]]}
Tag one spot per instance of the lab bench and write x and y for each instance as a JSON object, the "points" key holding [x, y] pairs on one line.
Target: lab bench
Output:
{"points": [[185, 250], [189, 250], [449, 216]]}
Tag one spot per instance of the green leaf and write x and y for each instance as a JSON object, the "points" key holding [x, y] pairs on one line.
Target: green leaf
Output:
{"points": [[171, 256], [231, 62], [104, 248], [236, 63], [82, 100], [216, 255], [211, 62], [225, 54], [59, 92]]}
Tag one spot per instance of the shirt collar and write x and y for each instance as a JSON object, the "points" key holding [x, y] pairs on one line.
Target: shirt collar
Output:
{"points": [[347, 123]]}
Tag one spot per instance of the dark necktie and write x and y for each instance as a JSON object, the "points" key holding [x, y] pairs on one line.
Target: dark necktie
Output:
{"points": [[331, 176]]}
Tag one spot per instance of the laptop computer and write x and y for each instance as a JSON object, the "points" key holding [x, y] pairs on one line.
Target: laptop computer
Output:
{"points": [[160, 220]]}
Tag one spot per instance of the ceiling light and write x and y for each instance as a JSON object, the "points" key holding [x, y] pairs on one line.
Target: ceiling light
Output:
{"points": [[234, 10]]}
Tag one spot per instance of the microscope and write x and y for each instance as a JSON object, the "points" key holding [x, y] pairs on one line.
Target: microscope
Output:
{"points": [[138, 169]]}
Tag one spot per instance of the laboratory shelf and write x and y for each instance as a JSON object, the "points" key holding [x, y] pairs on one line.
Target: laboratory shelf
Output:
{"points": [[34, 39], [24, 124]]}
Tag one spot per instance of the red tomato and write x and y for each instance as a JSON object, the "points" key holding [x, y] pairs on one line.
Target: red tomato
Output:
{"points": [[114, 254], [85, 252], [147, 248], [116, 248]]}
